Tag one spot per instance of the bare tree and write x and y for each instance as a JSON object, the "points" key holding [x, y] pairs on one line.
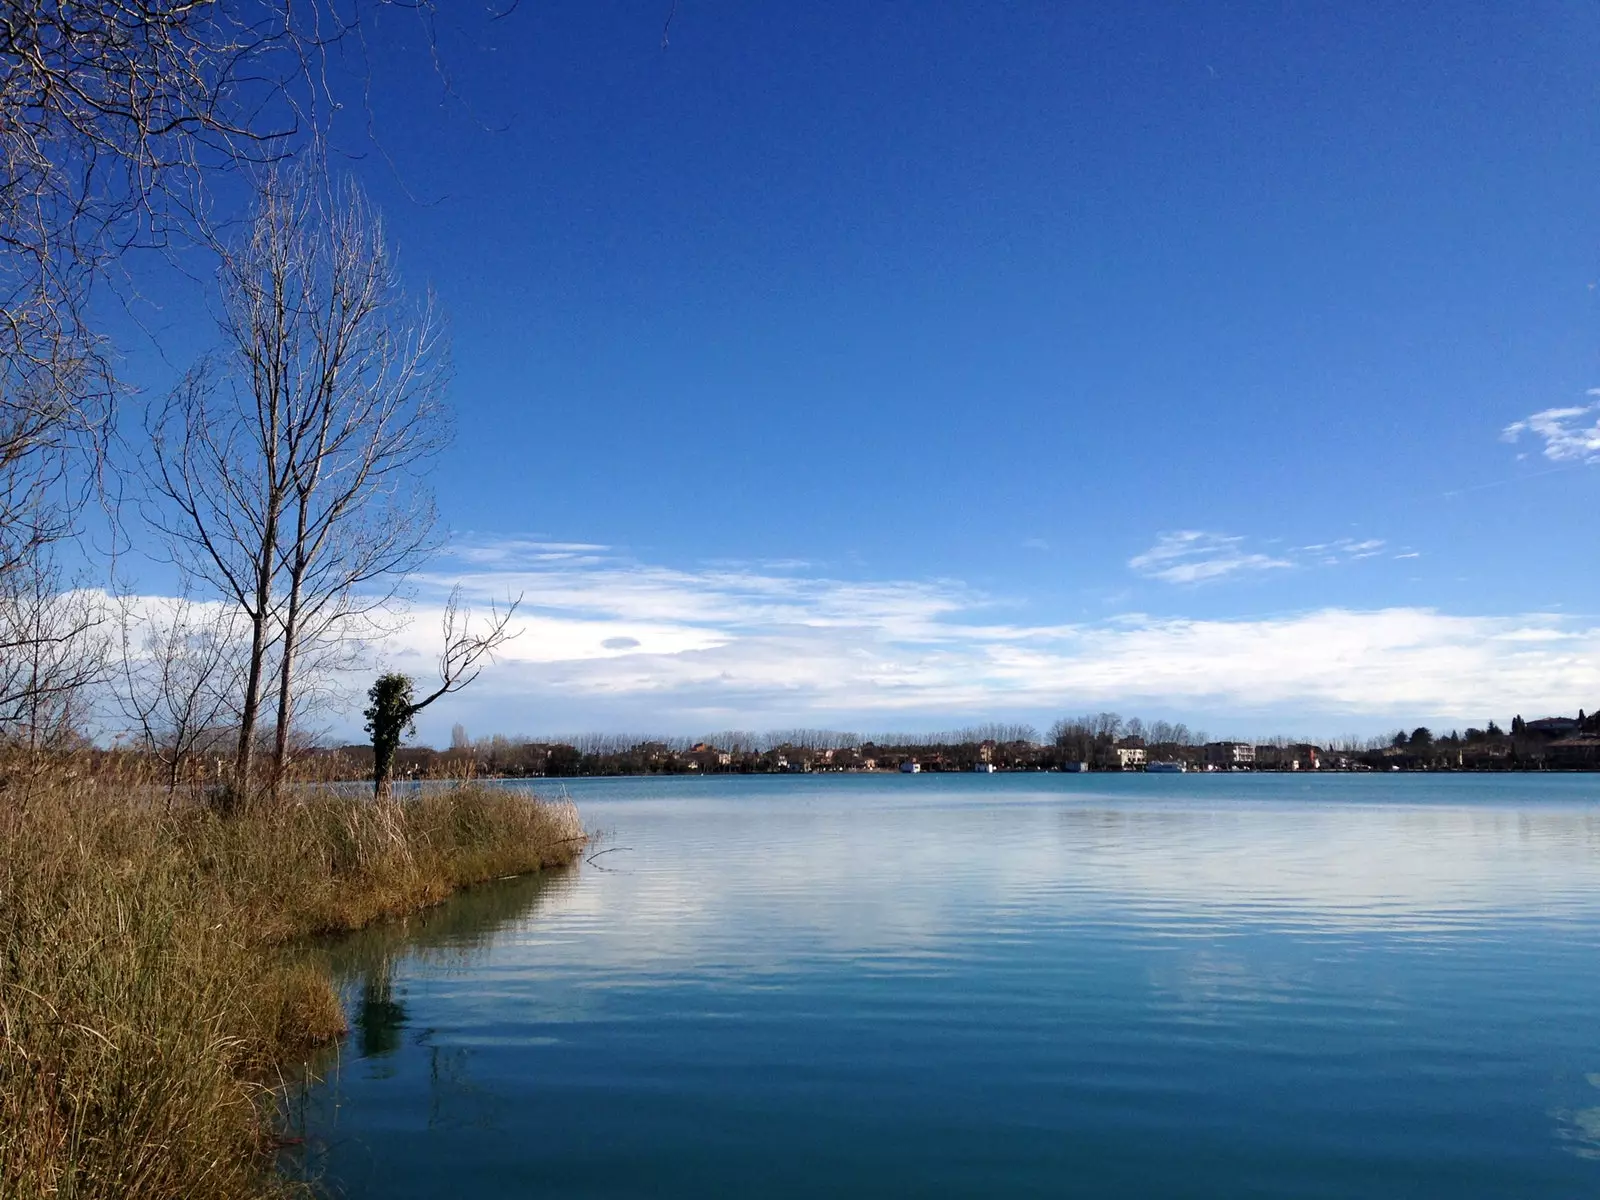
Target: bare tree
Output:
{"points": [[366, 411], [1105, 725], [738, 742], [219, 467], [1074, 737], [176, 680], [465, 652], [114, 110], [53, 652], [809, 739], [287, 466], [111, 113], [999, 732]]}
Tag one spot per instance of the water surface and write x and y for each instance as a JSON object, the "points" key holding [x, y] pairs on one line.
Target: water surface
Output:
{"points": [[1187, 986]]}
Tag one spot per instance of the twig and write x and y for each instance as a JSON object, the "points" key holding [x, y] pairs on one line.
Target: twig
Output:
{"points": [[598, 853]]}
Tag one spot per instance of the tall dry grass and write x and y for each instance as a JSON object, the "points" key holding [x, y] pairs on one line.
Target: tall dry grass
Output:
{"points": [[148, 1006]]}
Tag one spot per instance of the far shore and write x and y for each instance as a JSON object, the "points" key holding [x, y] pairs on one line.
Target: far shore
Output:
{"points": [[1103, 743]]}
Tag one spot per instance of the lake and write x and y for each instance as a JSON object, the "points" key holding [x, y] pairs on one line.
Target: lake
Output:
{"points": [[1008, 985]]}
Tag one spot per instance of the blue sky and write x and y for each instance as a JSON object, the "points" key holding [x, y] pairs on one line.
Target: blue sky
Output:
{"points": [[900, 365]]}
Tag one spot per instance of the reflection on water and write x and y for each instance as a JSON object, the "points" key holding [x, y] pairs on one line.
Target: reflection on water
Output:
{"points": [[447, 938], [445, 942], [1580, 1128], [379, 1017], [999, 985]]}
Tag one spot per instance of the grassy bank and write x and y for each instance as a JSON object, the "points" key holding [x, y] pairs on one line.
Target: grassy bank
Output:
{"points": [[148, 1007]]}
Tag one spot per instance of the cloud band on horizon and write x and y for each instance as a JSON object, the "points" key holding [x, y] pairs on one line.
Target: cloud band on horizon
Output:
{"points": [[614, 643]]}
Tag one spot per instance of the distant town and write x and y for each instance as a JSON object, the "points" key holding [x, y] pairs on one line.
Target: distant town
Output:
{"points": [[1099, 742]]}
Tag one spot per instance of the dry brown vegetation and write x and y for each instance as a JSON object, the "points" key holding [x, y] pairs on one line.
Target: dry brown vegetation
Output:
{"points": [[151, 1002]]}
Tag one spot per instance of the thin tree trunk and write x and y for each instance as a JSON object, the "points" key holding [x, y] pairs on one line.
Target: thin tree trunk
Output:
{"points": [[291, 643], [250, 712], [267, 381], [291, 627], [244, 760]]}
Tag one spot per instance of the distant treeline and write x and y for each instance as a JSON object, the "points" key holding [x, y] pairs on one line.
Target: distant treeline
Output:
{"points": [[1100, 741]]}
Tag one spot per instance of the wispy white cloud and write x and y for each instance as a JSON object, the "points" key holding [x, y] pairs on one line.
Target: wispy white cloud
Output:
{"points": [[1341, 550], [527, 552], [619, 644], [719, 599], [1198, 556], [1569, 434]]}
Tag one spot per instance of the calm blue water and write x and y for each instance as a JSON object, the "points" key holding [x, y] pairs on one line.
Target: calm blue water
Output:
{"points": [[1179, 986]]}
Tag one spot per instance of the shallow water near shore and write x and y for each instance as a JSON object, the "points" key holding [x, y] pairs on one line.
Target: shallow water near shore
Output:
{"points": [[1195, 986]]}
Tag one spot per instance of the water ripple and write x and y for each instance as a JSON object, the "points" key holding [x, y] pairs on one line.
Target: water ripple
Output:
{"points": [[1003, 985]]}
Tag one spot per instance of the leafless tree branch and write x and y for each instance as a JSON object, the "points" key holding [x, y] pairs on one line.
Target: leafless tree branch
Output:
{"points": [[288, 467]]}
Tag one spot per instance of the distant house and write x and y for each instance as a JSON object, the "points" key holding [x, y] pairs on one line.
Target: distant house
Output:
{"points": [[1582, 750], [1130, 758], [1076, 768], [703, 756], [1553, 726], [1300, 757], [1228, 755], [910, 767]]}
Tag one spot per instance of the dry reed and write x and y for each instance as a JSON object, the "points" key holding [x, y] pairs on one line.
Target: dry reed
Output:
{"points": [[147, 1008]]}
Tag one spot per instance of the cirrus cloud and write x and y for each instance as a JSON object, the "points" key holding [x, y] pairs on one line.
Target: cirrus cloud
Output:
{"points": [[1191, 556], [1196, 556]]}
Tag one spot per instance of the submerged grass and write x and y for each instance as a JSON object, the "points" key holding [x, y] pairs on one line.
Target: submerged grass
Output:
{"points": [[148, 1008]]}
